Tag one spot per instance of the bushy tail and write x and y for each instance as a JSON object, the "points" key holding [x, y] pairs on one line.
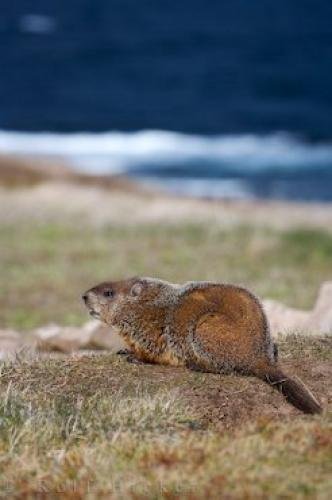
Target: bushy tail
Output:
{"points": [[295, 392]]}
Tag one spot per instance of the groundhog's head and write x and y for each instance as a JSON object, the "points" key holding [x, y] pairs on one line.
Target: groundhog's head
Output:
{"points": [[116, 302]]}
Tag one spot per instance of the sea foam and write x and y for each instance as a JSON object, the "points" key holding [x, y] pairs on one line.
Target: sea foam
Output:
{"points": [[145, 151]]}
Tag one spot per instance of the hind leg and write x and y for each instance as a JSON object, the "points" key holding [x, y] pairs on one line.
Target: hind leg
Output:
{"points": [[219, 346]]}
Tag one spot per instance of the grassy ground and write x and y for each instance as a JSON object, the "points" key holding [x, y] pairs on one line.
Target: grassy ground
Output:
{"points": [[44, 268], [97, 427]]}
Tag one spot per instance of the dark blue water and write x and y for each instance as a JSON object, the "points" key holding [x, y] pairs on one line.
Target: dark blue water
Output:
{"points": [[206, 68]]}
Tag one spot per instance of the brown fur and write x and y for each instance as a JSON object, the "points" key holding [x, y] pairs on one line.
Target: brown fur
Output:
{"points": [[205, 326]]}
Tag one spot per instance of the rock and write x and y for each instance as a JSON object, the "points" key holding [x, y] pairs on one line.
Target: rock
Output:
{"points": [[285, 319], [318, 321], [103, 337], [321, 317], [92, 335], [57, 338]]}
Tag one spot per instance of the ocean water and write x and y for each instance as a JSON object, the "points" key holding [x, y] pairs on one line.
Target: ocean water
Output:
{"points": [[216, 99]]}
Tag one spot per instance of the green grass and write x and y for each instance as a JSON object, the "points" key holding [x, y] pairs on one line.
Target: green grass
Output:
{"points": [[45, 268]]}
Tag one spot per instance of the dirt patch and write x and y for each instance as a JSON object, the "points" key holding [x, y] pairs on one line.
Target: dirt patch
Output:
{"points": [[223, 402], [228, 402]]}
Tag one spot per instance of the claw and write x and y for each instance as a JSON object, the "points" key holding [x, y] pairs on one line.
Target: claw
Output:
{"points": [[123, 352]]}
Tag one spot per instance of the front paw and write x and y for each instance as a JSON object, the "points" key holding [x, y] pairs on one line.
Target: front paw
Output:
{"points": [[135, 361], [124, 352]]}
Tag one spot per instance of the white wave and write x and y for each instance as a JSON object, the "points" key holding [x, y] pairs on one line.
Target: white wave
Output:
{"points": [[117, 152]]}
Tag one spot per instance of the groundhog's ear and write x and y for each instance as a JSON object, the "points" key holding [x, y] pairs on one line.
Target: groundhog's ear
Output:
{"points": [[136, 289]]}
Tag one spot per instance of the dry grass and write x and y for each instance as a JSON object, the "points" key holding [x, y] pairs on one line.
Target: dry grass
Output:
{"points": [[95, 426], [98, 427]]}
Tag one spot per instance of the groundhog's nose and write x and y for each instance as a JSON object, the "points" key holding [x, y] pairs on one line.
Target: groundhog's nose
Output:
{"points": [[85, 297]]}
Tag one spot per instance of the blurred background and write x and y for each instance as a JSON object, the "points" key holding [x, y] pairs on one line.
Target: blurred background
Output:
{"points": [[227, 101], [215, 99]]}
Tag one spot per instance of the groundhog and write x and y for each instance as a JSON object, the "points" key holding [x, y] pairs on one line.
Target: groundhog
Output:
{"points": [[206, 326]]}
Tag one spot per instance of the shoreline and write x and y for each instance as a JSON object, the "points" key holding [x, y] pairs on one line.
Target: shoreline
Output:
{"points": [[29, 187]]}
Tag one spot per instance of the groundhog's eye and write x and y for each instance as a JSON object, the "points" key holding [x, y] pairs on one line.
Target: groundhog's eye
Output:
{"points": [[108, 293]]}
